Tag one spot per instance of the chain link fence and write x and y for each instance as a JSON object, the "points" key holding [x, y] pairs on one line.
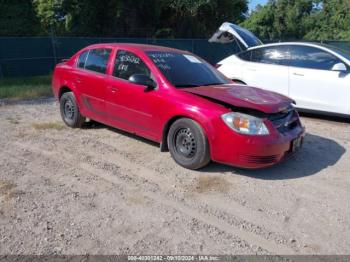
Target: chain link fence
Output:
{"points": [[31, 56]]}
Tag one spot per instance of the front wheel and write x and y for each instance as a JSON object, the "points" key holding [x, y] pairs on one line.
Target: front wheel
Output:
{"points": [[70, 111], [188, 144]]}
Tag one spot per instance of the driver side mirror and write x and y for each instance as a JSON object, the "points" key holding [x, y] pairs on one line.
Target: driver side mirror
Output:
{"points": [[140, 79], [340, 67]]}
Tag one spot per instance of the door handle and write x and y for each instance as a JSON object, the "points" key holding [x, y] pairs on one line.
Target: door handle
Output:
{"points": [[113, 89], [78, 80], [298, 74], [252, 69]]}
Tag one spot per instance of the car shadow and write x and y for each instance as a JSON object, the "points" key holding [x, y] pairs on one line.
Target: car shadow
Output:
{"points": [[317, 154], [333, 118], [96, 125]]}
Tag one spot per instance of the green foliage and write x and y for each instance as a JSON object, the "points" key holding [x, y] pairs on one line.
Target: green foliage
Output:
{"points": [[280, 19], [301, 19], [277, 20], [123, 18], [199, 18], [332, 21], [18, 18]]}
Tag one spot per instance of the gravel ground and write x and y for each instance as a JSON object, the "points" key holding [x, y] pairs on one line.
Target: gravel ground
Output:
{"points": [[98, 190]]}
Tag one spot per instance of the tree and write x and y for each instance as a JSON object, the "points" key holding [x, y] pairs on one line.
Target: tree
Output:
{"points": [[51, 15], [199, 18], [97, 18], [129, 18], [331, 21], [280, 19], [18, 18], [301, 19]]}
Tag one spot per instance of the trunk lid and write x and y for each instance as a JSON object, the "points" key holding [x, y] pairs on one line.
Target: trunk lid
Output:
{"points": [[228, 33], [244, 97]]}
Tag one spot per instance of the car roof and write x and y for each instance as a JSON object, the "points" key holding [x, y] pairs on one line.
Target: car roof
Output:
{"points": [[140, 47], [312, 44], [288, 43]]}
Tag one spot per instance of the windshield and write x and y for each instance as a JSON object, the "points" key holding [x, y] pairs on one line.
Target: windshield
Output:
{"points": [[186, 70], [342, 52]]}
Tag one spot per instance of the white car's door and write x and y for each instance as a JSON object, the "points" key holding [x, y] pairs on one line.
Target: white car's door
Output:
{"points": [[268, 69], [314, 85], [262, 67], [232, 67]]}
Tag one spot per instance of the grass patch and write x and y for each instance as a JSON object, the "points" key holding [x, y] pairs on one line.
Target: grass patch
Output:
{"points": [[25, 87], [211, 184], [13, 120], [49, 125]]}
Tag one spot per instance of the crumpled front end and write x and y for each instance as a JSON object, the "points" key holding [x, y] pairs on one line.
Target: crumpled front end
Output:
{"points": [[246, 151]]}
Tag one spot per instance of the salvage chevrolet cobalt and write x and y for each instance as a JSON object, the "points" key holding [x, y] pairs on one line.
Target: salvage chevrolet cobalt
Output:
{"points": [[177, 99]]}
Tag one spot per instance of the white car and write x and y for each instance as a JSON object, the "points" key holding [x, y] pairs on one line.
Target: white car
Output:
{"points": [[316, 76]]}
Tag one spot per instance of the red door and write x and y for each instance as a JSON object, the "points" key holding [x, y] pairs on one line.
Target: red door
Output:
{"points": [[92, 82], [130, 106]]}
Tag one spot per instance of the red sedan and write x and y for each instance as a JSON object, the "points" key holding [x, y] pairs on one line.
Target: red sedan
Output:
{"points": [[177, 99]]}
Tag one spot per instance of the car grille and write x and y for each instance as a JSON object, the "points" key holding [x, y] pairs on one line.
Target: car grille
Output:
{"points": [[285, 121], [258, 159]]}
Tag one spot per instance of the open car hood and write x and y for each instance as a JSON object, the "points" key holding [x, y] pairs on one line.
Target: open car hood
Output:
{"points": [[244, 97], [228, 33]]}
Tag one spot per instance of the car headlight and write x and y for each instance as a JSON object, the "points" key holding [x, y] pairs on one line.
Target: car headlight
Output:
{"points": [[245, 124]]}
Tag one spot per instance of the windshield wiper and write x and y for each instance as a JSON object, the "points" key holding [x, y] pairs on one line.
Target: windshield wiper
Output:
{"points": [[194, 85], [214, 84], [187, 85]]}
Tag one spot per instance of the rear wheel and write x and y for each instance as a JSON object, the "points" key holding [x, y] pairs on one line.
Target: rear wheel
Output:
{"points": [[188, 144], [70, 111]]}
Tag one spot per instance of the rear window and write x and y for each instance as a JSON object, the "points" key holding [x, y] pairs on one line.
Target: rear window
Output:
{"points": [[97, 60], [82, 59], [247, 36]]}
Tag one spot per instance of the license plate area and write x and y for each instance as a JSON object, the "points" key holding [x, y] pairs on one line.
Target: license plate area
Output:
{"points": [[296, 144]]}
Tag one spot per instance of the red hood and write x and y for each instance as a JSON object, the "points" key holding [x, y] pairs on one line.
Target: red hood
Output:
{"points": [[244, 96]]}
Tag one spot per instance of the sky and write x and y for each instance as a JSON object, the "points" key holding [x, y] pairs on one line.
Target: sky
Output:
{"points": [[254, 3]]}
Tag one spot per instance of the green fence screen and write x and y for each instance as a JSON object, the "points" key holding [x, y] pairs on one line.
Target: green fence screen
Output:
{"points": [[30, 56]]}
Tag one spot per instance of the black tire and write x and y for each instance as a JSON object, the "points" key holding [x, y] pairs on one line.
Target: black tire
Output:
{"points": [[188, 144], [70, 111]]}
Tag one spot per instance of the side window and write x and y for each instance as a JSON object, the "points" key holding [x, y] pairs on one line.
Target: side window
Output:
{"points": [[82, 59], [245, 55], [127, 64], [276, 55], [97, 60], [311, 57]]}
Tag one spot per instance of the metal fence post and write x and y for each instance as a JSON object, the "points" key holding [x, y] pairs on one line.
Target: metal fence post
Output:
{"points": [[53, 46], [1, 73]]}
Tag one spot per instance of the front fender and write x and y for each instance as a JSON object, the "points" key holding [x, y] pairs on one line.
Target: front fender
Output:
{"points": [[207, 124]]}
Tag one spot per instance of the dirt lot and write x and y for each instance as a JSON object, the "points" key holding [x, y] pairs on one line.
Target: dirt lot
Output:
{"points": [[100, 191]]}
